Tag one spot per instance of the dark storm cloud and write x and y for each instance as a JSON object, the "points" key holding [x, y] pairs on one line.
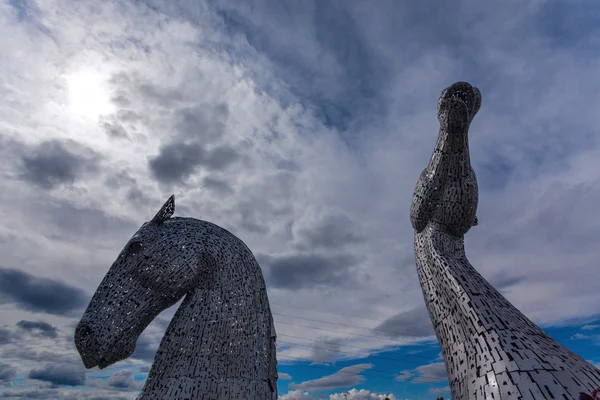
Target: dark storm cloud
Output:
{"points": [[332, 232], [415, 322], [59, 374], [6, 336], [178, 161], [38, 328], [303, 271], [7, 372], [40, 294], [55, 162]]}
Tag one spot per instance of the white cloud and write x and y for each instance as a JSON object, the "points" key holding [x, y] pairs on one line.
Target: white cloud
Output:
{"points": [[428, 373], [580, 336], [404, 375], [296, 395], [362, 394], [352, 394], [284, 376], [347, 376], [590, 327], [443, 390]]}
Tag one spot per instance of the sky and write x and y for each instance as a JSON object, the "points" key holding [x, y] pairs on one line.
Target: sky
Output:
{"points": [[302, 128]]}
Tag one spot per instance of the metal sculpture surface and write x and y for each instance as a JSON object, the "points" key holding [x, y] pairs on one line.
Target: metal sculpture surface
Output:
{"points": [[491, 350], [220, 343]]}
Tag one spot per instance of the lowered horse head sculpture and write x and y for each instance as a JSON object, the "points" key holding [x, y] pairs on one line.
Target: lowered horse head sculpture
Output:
{"points": [[491, 350], [221, 342]]}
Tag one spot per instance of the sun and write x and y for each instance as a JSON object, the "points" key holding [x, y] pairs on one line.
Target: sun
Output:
{"points": [[89, 95]]}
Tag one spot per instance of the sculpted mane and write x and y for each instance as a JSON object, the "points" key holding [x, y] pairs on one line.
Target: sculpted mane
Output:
{"points": [[491, 350], [221, 341]]}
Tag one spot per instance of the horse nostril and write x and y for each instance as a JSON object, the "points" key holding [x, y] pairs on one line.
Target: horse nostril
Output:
{"points": [[83, 331], [84, 338]]}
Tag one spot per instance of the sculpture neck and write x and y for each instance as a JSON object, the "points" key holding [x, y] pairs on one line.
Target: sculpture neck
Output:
{"points": [[451, 154], [218, 340], [446, 193]]}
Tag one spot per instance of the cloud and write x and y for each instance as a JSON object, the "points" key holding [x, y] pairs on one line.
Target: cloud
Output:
{"points": [[352, 394], [590, 327], [55, 162], [296, 395], [415, 322], [123, 379], [177, 161], [362, 394], [299, 271], [40, 294], [39, 328], [216, 185], [435, 372], [205, 122], [114, 130], [148, 342], [44, 393], [58, 353], [443, 390], [325, 230], [7, 373], [59, 374], [404, 375], [146, 368], [347, 376], [326, 351], [145, 348], [502, 281], [580, 336], [6, 336]]}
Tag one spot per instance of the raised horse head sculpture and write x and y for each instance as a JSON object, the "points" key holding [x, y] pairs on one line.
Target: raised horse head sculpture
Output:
{"points": [[220, 343], [491, 350]]}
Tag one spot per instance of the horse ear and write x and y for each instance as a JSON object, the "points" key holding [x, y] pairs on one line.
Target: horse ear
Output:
{"points": [[165, 212]]}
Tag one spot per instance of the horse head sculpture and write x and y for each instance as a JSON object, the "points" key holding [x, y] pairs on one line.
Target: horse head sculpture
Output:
{"points": [[221, 340], [490, 349]]}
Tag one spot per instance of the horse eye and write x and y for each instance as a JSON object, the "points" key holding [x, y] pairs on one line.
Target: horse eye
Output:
{"points": [[135, 247]]}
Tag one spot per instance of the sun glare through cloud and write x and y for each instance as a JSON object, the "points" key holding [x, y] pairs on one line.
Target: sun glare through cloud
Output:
{"points": [[88, 94]]}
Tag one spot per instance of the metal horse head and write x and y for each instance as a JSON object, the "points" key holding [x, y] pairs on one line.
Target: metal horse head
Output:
{"points": [[449, 171], [139, 285], [221, 335]]}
